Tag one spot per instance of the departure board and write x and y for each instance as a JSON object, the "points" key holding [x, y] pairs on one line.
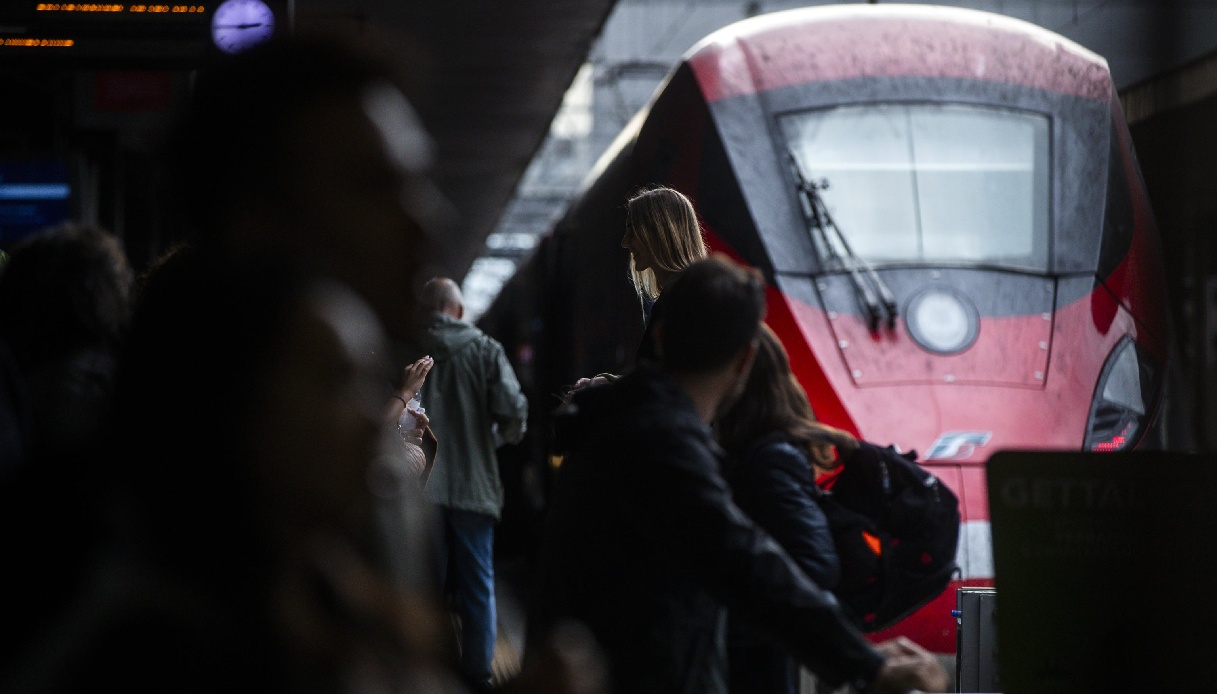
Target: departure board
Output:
{"points": [[136, 34]]}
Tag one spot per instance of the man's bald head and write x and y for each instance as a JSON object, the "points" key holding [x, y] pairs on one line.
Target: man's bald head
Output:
{"points": [[442, 295]]}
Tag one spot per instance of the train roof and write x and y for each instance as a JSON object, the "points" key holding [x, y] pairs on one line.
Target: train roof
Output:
{"points": [[817, 44]]}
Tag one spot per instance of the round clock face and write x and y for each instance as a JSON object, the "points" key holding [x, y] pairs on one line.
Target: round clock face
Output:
{"points": [[239, 24]]}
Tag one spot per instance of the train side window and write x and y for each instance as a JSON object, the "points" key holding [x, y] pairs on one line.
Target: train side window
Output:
{"points": [[931, 183]]}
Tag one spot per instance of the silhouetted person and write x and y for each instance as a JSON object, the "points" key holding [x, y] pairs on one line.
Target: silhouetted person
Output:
{"points": [[663, 237], [308, 147], [471, 391], [643, 543], [64, 307], [64, 311], [248, 414]]}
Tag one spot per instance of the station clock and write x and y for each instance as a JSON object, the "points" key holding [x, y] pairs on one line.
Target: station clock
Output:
{"points": [[241, 24]]}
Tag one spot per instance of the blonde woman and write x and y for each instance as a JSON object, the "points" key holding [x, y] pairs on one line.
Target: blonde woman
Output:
{"points": [[663, 238]]}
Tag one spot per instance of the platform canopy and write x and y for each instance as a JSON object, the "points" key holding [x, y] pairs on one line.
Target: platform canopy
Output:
{"points": [[492, 77]]}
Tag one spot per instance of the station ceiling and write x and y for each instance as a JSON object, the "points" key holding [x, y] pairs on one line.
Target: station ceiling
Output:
{"points": [[493, 76]]}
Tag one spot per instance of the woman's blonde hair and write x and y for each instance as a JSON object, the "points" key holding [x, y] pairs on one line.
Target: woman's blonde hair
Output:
{"points": [[665, 226]]}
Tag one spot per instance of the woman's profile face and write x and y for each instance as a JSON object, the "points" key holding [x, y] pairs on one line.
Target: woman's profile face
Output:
{"points": [[631, 242]]}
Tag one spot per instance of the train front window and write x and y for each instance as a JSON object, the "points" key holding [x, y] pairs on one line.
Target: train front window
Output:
{"points": [[929, 183]]}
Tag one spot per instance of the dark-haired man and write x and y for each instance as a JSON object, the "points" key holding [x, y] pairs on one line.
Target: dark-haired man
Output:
{"points": [[643, 543]]}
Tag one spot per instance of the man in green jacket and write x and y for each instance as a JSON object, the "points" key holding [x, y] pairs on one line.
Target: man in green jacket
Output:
{"points": [[470, 391]]}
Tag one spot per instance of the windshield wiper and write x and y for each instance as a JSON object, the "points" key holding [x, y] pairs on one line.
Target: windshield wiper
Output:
{"points": [[870, 289]]}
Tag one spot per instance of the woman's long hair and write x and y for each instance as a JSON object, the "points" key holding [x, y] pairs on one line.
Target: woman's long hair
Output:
{"points": [[773, 401], [664, 223]]}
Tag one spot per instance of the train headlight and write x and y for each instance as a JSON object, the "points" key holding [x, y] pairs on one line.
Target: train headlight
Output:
{"points": [[1123, 400], [942, 321]]}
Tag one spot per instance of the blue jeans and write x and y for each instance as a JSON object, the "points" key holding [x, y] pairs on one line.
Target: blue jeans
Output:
{"points": [[469, 539]]}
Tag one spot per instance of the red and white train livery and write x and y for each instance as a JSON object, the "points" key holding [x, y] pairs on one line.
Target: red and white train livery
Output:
{"points": [[947, 207]]}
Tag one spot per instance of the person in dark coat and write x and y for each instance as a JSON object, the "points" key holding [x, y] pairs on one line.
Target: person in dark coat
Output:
{"points": [[248, 411], [64, 310], [643, 543], [774, 446]]}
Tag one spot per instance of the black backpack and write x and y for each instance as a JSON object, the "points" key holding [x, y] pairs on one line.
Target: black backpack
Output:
{"points": [[896, 528]]}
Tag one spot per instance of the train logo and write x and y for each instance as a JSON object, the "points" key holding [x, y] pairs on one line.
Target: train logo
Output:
{"points": [[957, 444]]}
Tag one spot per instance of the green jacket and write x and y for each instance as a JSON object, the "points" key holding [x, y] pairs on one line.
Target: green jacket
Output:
{"points": [[470, 389]]}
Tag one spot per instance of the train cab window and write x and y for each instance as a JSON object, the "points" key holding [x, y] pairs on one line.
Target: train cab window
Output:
{"points": [[929, 183]]}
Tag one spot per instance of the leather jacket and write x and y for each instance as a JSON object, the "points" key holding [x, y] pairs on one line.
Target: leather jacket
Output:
{"points": [[644, 545], [773, 483]]}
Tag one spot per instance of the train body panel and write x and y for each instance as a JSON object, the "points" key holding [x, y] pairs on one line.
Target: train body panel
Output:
{"points": [[980, 164], [839, 43], [931, 402]]}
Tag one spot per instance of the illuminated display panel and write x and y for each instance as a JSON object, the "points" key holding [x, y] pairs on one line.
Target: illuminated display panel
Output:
{"points": [[34, 194], [112, 8], [84, 14], [107, 34], [35, 42]]}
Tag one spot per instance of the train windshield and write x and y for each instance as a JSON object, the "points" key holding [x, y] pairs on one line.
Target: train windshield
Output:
{"points": [[929, 183]]}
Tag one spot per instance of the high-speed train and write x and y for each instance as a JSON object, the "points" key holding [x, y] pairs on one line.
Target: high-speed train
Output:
{"points": [[959, 247]]}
